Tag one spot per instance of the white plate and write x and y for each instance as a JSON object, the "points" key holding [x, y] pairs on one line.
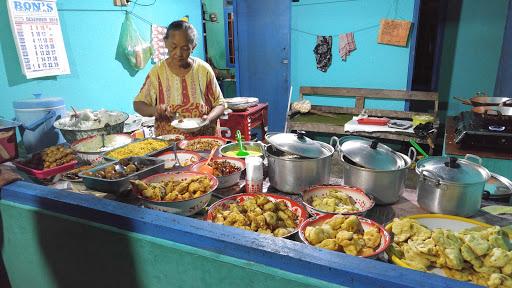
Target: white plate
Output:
{"points": [[172, 137], [188, 124], [186, 158]]}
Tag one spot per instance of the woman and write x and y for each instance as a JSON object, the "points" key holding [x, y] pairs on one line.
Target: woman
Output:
{"points": [[181, 86]]}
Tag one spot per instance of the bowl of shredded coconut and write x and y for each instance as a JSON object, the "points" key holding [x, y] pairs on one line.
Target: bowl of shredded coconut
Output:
{"points": [[86, 123]]}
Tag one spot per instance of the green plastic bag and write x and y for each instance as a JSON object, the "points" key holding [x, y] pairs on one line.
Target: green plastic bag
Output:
{"points": [[137, 50]]}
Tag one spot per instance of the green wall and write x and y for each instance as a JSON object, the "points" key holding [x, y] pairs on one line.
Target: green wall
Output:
{"points": [[215, 39], [42, 249], [471, 49]]}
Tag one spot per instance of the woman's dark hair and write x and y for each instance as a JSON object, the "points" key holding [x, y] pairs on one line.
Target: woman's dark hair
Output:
{"points": [[185, 26]]}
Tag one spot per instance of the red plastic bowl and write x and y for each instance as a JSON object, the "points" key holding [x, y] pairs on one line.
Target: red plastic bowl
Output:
{"points": [[223, 204], [385, 238]]}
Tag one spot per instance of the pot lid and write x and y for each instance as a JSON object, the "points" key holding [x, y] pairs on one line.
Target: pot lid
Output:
{"points": [[38, 102], [371, 154], [452, 169], [297, 144], [498, 186]]}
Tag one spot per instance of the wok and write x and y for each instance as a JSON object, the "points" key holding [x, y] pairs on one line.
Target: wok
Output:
{"points": [[486, 101], [494, 114]]}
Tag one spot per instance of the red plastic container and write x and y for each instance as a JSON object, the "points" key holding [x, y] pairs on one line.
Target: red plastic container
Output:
{"points": [[373, 121], [46, 173], [8, 143]]}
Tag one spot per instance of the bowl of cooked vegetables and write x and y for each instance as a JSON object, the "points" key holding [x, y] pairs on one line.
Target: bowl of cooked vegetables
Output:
{"points": [[202, 144], [337, 199], [353, 235], [183, 193], [263, 213], [226, 169]]}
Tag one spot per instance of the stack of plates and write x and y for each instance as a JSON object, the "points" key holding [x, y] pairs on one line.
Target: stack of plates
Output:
{"points": [[241, 103]]}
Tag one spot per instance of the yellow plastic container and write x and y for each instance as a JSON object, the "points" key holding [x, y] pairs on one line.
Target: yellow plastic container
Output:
{"points": [[421, 119]]}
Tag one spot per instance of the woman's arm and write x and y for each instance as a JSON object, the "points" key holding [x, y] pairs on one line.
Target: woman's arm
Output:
{"points": [[215, 113], [144, 109]]}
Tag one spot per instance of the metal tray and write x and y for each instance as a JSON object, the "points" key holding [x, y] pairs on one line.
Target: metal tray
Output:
{"points": [[120, 185], [171, 147]]}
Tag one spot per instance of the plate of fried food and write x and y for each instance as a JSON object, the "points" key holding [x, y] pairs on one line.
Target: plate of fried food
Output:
{"points": [[48, 162], [202, 144], [263, 213], [336, 199], [353, 235], [183, 193], [452, 246]]}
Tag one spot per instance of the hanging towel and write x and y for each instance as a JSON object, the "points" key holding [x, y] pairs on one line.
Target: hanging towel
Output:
{"points": [[347, 44], [323, 52]]}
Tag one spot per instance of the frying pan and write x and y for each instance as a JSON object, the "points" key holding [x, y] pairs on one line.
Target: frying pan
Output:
{"points": [[494, 114], [485, 101]]}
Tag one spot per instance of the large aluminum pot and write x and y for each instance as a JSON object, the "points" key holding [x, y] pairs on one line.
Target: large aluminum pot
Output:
{"points": [[291, 173], [452, 186], [385, 185]]}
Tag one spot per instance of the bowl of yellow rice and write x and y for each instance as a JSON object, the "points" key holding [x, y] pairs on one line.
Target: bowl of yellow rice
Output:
{"points": [[142, 147]]}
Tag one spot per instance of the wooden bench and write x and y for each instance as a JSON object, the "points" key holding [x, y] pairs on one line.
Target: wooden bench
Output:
{"points": [[315, 123]]}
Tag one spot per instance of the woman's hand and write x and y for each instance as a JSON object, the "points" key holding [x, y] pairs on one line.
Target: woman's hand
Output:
{"points": [[165, 110], [206, 119]]}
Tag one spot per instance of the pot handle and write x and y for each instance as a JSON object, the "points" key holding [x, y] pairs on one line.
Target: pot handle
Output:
{"points": [[334, 140], [506, 102], [469, 156], [412, 152], [433, 175]]}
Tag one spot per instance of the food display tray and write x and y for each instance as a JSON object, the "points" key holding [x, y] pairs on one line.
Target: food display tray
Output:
{"points": [[171, 146], [46, 173], [120, 185]]}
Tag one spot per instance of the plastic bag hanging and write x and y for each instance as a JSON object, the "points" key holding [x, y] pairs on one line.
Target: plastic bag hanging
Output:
{"points": [[137, 50]]}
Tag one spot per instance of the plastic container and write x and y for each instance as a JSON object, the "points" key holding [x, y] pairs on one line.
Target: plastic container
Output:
{"points": [[46, 173], [37, 117], [8, 142]]}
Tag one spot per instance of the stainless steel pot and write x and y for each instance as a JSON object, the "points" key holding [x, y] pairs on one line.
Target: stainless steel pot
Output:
{"points": [[291, 173], [385, 185], [452, 186]]}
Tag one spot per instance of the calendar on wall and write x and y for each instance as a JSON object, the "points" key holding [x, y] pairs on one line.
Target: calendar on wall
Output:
{"points": [[36, 30]]}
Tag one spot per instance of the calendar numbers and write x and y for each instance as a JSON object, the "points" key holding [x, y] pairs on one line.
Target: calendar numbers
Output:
{"points": [[39, 40]]}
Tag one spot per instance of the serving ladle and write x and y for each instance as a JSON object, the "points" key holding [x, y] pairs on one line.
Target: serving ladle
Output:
{"points": [[205, 168]]}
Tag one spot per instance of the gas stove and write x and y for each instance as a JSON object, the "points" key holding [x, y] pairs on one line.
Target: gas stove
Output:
{"points": [[476, 133]]}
